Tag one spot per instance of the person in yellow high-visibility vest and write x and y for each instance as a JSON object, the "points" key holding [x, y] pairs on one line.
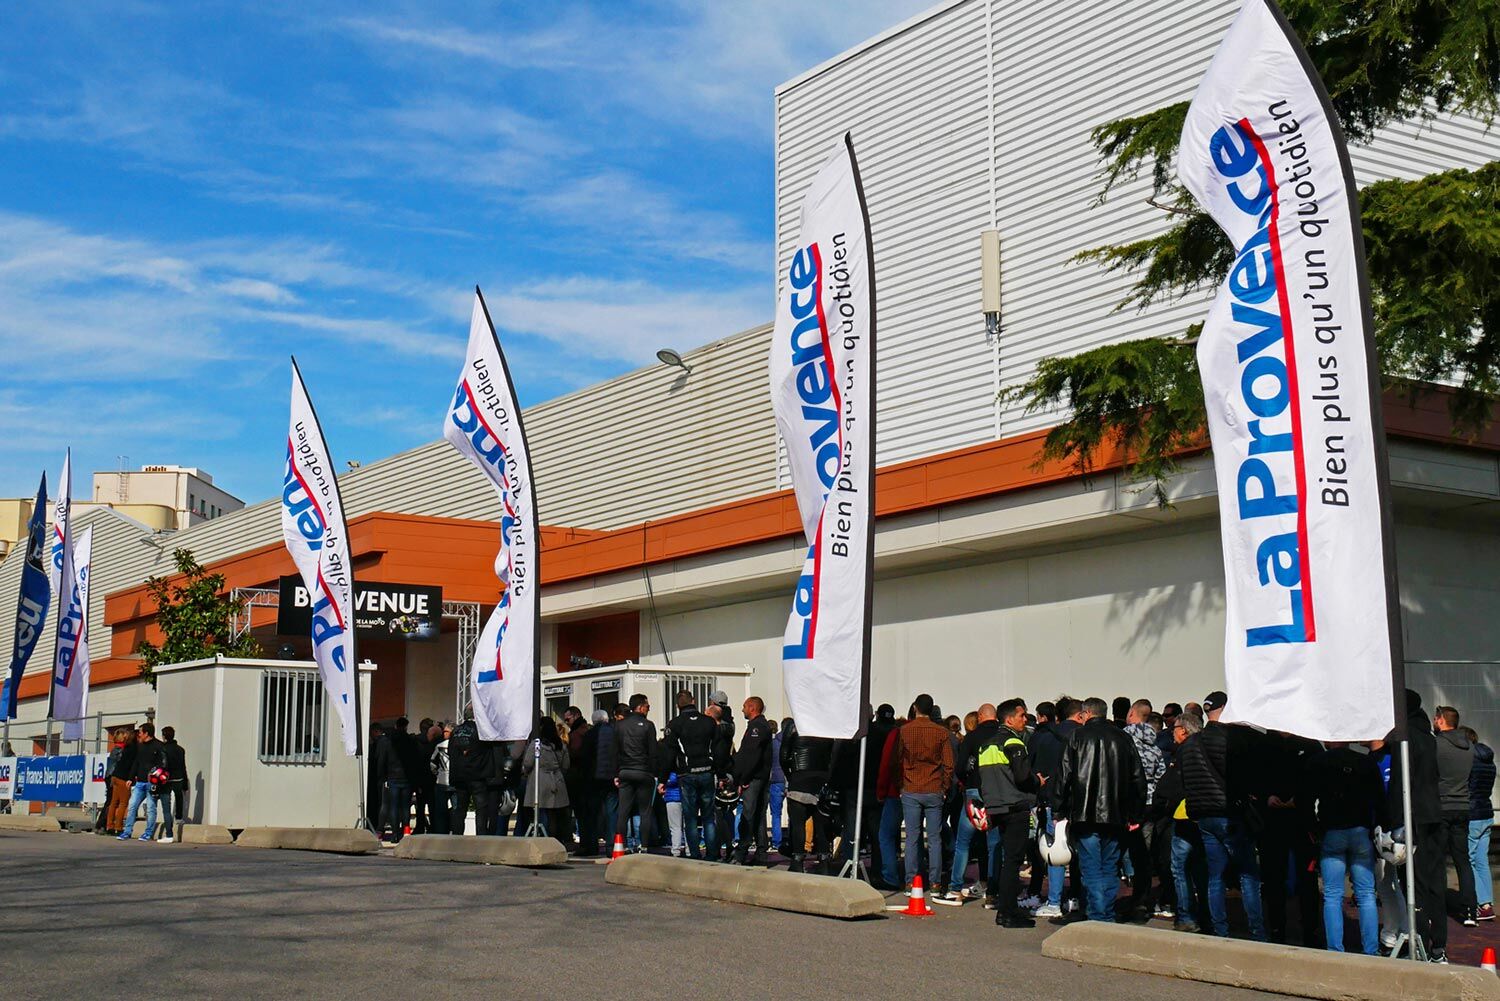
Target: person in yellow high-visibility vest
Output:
{"points": [[1008, 788]]}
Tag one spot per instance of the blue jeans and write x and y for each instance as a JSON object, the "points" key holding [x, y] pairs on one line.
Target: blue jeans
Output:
{"points": [[890, 833], [1479, 860], [1349, 849], [1055, 873], [961, 843], [397, 803], [1098, 851], [1224, 839], [778, 798], [924, 810], [139, 792], [697, 811], [1182, 854]]}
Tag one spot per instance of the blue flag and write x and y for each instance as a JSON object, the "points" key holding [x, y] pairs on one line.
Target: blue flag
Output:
{"points": [[31, 608]]}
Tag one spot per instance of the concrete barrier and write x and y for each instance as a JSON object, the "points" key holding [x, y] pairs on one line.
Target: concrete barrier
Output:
{"points": [[341, 840], [1279, 969], [825, 896], [28, 822], [72, 818], [204, 834], [528, 852]]}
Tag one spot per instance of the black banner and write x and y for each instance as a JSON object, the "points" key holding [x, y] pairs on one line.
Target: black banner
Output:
{"points": [[381, 611]]}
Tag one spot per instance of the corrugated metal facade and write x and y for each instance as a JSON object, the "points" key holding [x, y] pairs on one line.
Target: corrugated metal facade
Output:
{"points": [[1010, 84]]}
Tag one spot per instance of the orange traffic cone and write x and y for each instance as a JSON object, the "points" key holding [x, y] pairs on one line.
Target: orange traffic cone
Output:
{"points": [[619, 850], [407, 831], [1487, 960], [916, 900]]}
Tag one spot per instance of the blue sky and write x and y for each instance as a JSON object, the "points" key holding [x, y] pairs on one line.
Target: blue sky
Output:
{"points": [[189, 193]]}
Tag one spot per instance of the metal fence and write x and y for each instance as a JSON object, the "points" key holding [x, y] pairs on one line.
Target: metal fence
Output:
{"points": [[292, 718]]}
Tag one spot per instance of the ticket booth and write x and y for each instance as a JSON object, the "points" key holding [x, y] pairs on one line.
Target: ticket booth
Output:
{"points": [[606, 687]]}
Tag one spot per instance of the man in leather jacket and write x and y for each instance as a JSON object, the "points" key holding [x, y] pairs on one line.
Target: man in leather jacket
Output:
{"points": [[1102, 791], [688, 746], [638, 760], [752, 773]]}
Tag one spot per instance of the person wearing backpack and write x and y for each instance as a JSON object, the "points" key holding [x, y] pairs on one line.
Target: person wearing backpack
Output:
{"points": [[1342, 792], [470, 771]]}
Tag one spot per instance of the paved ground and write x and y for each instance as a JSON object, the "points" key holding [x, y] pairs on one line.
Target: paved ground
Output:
{"points": [[86, 916]]}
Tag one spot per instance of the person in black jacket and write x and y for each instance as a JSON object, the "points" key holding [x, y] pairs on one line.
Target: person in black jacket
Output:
{"points": [[1102, 790], [638, 759], [1427, 818], [1340, 797], [1008, 790], [174, 792], [1204, 759], [392, 760], [689, 742], [966, 763], [806, 762], [1481, 820], [148, 757], [471, 767], [1046, 749], [752, 773], [1455, 760]]}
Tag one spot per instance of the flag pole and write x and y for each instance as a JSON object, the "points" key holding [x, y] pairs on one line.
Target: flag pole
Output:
{"points": [[851, 869], [1415, 948]]}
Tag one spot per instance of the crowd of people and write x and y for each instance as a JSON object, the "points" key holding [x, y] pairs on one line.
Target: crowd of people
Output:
{"points": [[143, 771], [1052, 807]]}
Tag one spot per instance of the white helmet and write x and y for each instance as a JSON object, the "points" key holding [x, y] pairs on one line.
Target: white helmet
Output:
{"points": [[1389, 848], [1054, 847]]}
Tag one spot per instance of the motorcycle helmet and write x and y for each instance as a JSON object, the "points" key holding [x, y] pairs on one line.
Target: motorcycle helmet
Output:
{"points": [[978, 815], [158, 777], [1389, 848], [727, 795], [1054, 847]]}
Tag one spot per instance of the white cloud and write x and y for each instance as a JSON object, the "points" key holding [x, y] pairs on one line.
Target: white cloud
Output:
{"points": [[626, 321]]}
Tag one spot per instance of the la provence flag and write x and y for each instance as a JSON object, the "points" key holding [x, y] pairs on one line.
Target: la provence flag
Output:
{"points": [[1287, 356]]}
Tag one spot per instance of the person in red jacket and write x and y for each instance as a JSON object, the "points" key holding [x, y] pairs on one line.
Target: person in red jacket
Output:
{"points": [[888, 792]]}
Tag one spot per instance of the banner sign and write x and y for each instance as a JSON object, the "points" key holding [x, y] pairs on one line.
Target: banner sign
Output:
{"points": [[53, 779], [70, 667], [1289, 372], [823, 392], [316, 534], [32, 601], [7, 778], [484, 425], [62, 510], [381, 611]]}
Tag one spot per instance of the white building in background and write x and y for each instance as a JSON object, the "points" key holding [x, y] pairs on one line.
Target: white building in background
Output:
{"points": [[674, 536], [185, 494]]}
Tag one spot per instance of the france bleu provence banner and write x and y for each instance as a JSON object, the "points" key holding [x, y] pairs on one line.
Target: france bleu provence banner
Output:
{"points": [[484, 425], [823, 392], [70, 661], [1288, 362], [32, 602], [317, 536]]}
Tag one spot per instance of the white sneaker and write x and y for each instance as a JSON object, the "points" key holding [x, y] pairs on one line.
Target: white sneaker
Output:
{"points": [[168, 840], [1048, 911], [948, 897]]}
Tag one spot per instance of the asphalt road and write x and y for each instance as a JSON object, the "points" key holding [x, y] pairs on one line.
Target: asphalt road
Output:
{"points": [[81, 915]]}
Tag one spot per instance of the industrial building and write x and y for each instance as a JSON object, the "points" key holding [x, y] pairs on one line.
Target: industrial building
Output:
{"points": [[671, 536]]}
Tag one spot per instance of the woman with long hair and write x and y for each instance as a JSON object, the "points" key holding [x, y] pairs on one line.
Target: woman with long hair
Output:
{"points": [[549, 794]]}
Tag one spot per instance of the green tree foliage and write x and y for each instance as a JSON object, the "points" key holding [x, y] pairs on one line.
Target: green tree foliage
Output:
{"points": [[195, 616], [1432, 244]]}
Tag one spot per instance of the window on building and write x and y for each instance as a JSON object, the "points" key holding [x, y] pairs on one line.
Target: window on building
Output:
{"points": [[291, 718]]}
